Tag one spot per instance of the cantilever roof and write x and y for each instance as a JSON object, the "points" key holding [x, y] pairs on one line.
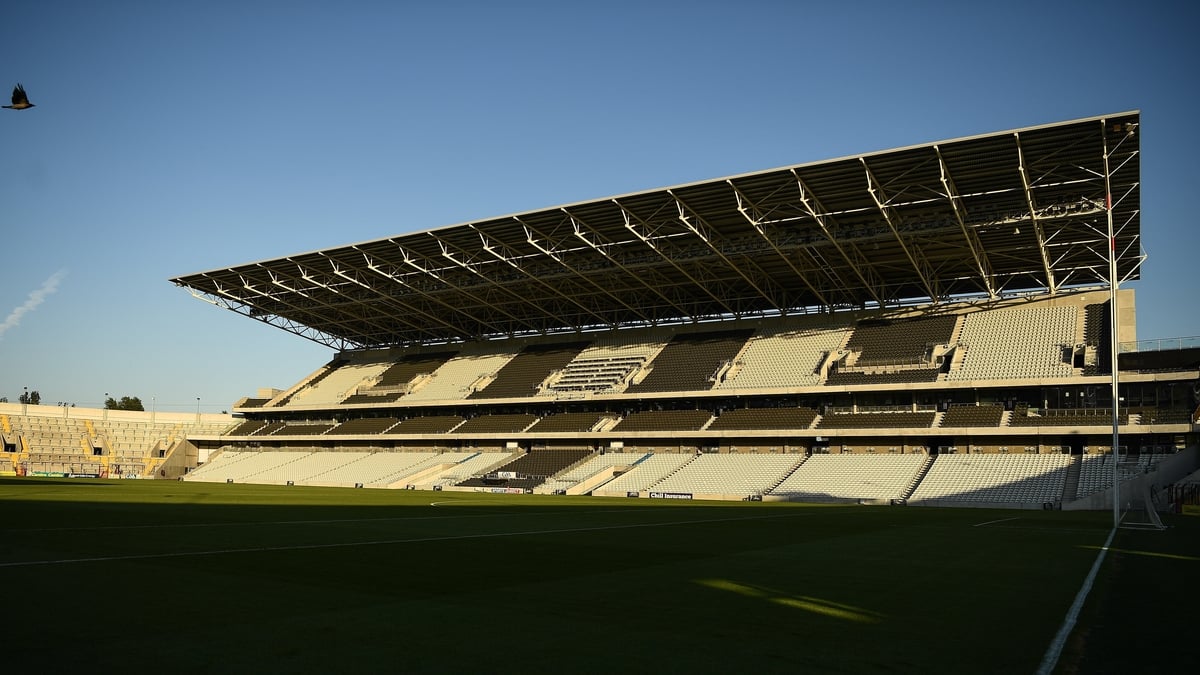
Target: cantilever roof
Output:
{"points": [[1014, 211]]}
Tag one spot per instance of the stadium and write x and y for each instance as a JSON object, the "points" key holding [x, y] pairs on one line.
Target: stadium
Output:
{"points": [[929, 325], [942, 325]]}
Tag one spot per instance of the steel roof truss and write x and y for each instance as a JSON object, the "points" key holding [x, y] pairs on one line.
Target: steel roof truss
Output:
{"points": [[351, 323], [378, 268], [675, 255], [487, 285], [535, 238], [583, 232], [1100, 248], [858, 264], [982, 264], [282, 321], [404, 308], [775, 297], [502, 253], [755, 216], [915, 257], [1034, 219], [633, 222], [223, 298]]}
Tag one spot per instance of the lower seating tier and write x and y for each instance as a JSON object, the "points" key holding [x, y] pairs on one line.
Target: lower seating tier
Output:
{"points": [[918, 478]]}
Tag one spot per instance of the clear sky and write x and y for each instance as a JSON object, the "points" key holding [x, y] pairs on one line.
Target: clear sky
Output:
{"points": [[176, 137]]}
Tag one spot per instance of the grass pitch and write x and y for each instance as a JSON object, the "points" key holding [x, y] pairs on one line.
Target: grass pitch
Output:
{"points": [[138, 576]]}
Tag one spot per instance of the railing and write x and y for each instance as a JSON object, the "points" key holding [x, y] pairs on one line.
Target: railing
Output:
{"points": [[838, 410], [1162, 344]]}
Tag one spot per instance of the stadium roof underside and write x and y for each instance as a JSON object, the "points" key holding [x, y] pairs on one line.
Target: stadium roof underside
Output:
{"points": [[1017, 211]]}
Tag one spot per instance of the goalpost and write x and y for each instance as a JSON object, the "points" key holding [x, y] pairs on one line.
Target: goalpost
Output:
{"points": [[1142, 502]]}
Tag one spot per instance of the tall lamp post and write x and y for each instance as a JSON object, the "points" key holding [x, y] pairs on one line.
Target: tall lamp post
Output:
{"points": [[197, 410], [1114, 285]]}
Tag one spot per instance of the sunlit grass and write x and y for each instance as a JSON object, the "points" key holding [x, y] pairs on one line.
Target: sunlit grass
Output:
{"points": [[1149, 554], [829, 608]]}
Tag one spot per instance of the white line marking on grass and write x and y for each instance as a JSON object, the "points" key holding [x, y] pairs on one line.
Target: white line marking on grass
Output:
{"points": [[250, 523], [245, 523], [1032, 528], [1050, 660], [384, 542], [990, 522]]}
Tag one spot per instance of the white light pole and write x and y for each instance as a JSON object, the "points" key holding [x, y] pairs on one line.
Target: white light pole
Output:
{"points": [[197, 410], [1114, 339]]}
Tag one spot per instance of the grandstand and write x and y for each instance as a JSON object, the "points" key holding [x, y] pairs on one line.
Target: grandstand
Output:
{"points": [[930, 325], [39, 440]]}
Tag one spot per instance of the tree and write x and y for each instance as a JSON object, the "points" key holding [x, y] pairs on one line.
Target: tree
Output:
{"points": [[126, 403], [132, 403], [30, 398]]}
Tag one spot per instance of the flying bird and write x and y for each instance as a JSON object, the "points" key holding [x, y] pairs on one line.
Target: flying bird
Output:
{"points": [[19, 100]]}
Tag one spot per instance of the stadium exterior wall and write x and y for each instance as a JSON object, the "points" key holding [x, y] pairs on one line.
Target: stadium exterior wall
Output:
{"points": [[73, 412]]}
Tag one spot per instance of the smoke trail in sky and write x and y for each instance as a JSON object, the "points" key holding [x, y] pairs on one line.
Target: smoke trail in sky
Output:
{"points": [[31, 303]]}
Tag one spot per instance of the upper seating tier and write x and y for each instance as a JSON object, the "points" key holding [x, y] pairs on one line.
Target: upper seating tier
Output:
{"points": [[521, 376], [689, 361]]}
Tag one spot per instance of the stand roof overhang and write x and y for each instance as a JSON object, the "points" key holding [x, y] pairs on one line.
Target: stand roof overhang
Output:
{"points": [[1025, 210]]}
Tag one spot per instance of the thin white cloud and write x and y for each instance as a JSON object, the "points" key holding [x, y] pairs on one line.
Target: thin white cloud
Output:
{"points": [[36, 297]]}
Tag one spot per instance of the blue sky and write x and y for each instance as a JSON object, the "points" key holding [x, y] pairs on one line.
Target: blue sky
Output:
{"points": [[176, 137]]}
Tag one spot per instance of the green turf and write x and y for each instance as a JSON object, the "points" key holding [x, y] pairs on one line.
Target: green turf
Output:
{"points": [[193, 577]]}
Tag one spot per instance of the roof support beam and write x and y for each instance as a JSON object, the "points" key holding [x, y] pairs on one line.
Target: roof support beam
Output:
{"points": [[297, 311], [498, 251], [1113, 232], [920, 264], [535, 238], [858, 264], [251, 285], [412, 261], [402, 309], [353, 325], [450, 253], [221, 297], [420, 263], [753, 215], [1038, 229], [633, 223], [586, 234], [982, 264], [697, 225]]}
